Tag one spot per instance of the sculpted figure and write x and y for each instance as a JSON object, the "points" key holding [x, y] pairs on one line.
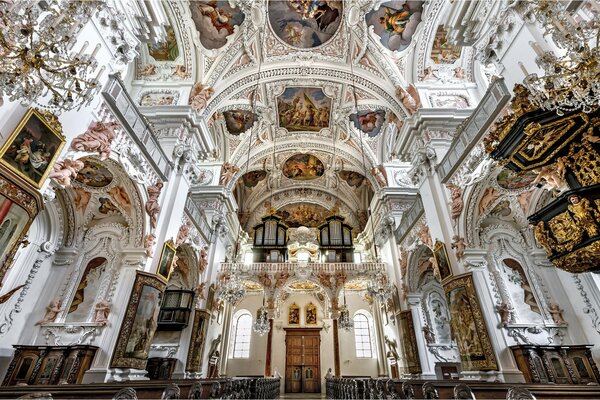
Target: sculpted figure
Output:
{"points": [[101, 311], [428, 74], [409, 98], [457, 204], [227, 173], [280, 278], [379, 177], [489, 196], [119, 194], [459, 246], [149, 70], [553, 176], [152, 206], [82, 198], [149, 242], [459, 73], [556, 313], [425, 236], [98, 138], [200, 290], [184, 232], [52, 311], [65, 170], [590, 137], [200, 95], [505, 313], [584, 214], [428, 334], [181, 71], [203, 262]]}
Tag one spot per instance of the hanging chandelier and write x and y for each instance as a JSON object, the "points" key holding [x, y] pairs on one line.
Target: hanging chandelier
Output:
{"points": [[261, 325], [231, 291], [37, 57], [344, 320], [571, 81], [379, 288]]}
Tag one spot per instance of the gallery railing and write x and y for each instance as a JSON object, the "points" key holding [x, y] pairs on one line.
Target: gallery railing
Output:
{"points": [[330, 268]]}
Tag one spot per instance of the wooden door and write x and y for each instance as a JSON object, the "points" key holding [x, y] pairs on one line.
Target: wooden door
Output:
{"points": [[303, 363]]}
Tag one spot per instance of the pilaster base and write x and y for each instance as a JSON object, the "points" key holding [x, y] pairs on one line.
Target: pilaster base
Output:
{"points": [[508, 376], [124, 375]]}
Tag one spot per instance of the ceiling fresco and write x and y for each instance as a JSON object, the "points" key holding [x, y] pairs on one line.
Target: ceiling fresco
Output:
{"points": [[252, 178], [215, 21], [353, 179], [395, 22], [369, 122], [302, 167], [238, 121], [303, 109], [166, 50], [305, 23], [94, 174], [443, 52], [510, 180], [302, 214]]}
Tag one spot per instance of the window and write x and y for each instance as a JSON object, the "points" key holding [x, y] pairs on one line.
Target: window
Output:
{"points": [[241, 337], [362, 336]]}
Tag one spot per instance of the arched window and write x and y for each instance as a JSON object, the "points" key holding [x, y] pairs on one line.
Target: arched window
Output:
{"points": [[241, 335], [362, 335]]}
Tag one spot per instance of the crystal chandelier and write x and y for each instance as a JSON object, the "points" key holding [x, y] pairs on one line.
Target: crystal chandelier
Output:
{"points": [[379, 288], [37, 57], [344, 320], [231, 291], [261, 325], [571, 81]]}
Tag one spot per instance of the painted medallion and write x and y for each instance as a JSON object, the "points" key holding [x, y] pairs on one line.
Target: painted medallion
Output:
{"points": [[303, 167]]}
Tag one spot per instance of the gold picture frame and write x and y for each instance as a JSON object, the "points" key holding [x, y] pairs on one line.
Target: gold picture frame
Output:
{"points": [[468, 324], [294, 314], [197, 341], [139, 323], [33, 147], [442, 260], [409, 339], [167, 257], [310, 314]]}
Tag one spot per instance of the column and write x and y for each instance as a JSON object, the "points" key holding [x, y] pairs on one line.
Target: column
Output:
{"points": [[268, 358], [336, 348], [427, 363]]}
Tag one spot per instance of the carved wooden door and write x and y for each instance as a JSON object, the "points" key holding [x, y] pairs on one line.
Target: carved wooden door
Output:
{"points": [[303, 370]]}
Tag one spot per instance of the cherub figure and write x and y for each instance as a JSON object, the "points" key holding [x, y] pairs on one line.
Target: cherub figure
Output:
{"points": [[149, 70], [101, 311], [65, 170], [52, 311], [556, 313]]}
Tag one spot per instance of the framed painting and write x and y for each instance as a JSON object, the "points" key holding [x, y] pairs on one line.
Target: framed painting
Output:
{"points": [[310, 316], [197, 341], [468, 325], [167, 257], [210, 299], [19, 205], [409, 339], [442, 260], [139, 322], [294, 315], [33, 147]]}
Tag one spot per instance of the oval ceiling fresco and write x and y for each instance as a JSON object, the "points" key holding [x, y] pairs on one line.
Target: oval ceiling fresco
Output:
{"points": [[94, 174], [306, 23], [303, 167], [369, 122], [238, 121], [252, 178], [215, 21], [510, 180], [395, 22], [302, 214]]}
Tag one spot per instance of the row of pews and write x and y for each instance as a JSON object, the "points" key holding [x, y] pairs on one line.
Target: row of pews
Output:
{"points": [[223, 388], [385, 388]]}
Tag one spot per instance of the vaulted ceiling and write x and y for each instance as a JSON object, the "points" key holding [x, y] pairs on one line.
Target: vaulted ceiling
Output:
{"points": [[300, 96]]}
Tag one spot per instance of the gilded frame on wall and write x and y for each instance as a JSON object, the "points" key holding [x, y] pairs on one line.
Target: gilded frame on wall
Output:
{"points": [[139, 323], [294, 314], [409, 339], [310, 314], [441, 259], [468, 325], [20, 204], [197, 341], [167, 257], [33, 147]]}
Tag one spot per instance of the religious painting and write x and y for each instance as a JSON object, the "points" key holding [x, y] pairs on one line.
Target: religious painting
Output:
{"points": [[305, 24], [197, 341], [510, 180], [210, 299], [303, 167], [33, 147], [353, 179], [369, 122], [468, 325], [14, 221], [303, 109], [294, 314], [166, 50], [238, 121], [94, 174], [87, 290], [310, 316], [409, 339], [215, 21], [449, 101], [139, 322], [149, 99], [395, 22], [252, 178], [302, 214], [443, 52], [441, 259], [165, 265]]}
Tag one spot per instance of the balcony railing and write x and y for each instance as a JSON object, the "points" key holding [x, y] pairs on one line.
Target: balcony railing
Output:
{"points": [[289, 267]]}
